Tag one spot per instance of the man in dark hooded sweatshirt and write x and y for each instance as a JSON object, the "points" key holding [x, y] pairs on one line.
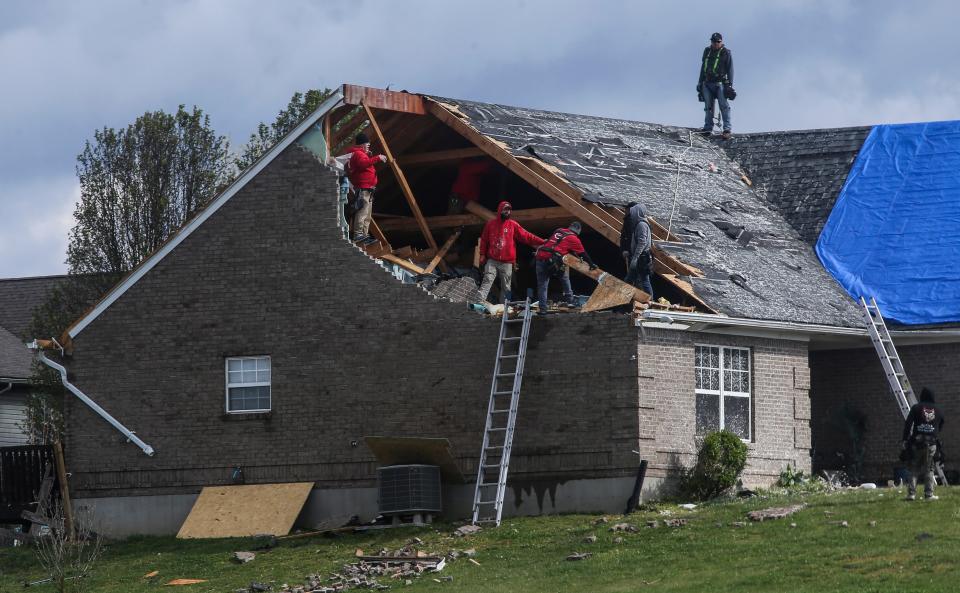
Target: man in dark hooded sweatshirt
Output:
{"points": [[921, 430], [636, 243]]}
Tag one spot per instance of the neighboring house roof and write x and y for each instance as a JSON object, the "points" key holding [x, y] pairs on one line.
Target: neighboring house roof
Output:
{"points": [[768, 273], [799, 173], [18, 298], [15, 358]]}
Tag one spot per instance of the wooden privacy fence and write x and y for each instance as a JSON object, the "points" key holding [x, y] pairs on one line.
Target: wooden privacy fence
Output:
{"points": [[21, 472]]}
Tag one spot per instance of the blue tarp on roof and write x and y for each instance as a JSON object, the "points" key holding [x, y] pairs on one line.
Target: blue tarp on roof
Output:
{"points": [[894, 232]]}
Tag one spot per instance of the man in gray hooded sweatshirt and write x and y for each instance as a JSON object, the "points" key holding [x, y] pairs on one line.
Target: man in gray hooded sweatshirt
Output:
{"points": [[635, 243]]}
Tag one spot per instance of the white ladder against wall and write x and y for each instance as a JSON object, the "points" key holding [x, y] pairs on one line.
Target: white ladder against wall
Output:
{"points": [[501, 414], [892, 366]]}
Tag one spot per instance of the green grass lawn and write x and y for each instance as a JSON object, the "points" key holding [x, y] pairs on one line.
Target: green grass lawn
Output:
{"points": [[528, 554]]}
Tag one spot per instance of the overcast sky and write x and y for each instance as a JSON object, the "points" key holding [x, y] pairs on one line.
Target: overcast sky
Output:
{"points": [[68, 68]]}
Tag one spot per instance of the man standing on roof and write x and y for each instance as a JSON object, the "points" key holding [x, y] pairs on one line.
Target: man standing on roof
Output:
{"points": [[716, 83], [636, 245], [498, 250], [921, 430], [466, 187], [363, 177], [550, 262]]}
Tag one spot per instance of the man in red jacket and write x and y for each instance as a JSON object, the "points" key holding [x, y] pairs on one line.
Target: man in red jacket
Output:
{"points": [[363, 177], [498, 250], [549, 264], [466, 187]]}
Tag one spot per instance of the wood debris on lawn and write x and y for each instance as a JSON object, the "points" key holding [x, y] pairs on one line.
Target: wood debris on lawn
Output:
{"points": [[180, 582], [466, 530], [775, 512], [375, 571], [624, 527], [579, 556], [151, 574]]}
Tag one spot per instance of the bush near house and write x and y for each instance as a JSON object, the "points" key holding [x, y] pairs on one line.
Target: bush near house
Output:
{"points": [[721, 459]]}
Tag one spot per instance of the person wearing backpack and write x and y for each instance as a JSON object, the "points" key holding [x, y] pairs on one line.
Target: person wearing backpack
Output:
{"points": [[498, 250], [549, 262], [921, 431]]}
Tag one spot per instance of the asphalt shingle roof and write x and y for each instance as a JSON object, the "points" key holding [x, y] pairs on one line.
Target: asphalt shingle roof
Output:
{"points": [[768, 273], [15, 358], [799, 173], [18, 298]]}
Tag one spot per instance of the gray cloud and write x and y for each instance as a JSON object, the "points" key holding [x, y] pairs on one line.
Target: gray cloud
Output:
{"points": [[70, 67]]}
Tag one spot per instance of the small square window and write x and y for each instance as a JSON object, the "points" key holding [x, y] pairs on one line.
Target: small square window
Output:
{"points": [[248, 384]]}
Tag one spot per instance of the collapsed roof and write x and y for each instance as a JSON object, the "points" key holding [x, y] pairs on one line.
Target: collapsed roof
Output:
{"points": [[754, 263]]}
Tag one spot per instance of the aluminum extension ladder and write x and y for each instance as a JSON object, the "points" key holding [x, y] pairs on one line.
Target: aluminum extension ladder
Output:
{"points": [[892, 367], [501, 414]]}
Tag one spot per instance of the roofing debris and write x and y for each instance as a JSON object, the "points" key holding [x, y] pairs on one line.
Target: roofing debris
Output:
{"points": [[378, 572]]}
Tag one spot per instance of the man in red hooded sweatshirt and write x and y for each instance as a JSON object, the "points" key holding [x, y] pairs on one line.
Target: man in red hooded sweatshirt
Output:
{"points": [[498, 250], [363, 177]]}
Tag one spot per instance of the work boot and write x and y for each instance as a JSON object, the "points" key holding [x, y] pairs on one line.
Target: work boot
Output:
{"points": [[370, 240], [911, 497], [359, 239], [931, 497], [705, 131], [727, 134]]}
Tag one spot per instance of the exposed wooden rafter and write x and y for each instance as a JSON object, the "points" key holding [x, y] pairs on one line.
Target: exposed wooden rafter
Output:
{"points": [[401, 179], [440, 156], [383, 99]]}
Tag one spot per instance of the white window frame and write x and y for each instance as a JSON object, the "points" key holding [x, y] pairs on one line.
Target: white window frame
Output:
{"points": [[228, 385], [722, 391]]}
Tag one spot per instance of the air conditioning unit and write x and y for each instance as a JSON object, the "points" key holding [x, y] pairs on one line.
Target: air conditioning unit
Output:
{"points": [[406, 489]]}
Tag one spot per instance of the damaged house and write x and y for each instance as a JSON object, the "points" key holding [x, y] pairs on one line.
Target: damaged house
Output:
{"points": [[260, 339]]}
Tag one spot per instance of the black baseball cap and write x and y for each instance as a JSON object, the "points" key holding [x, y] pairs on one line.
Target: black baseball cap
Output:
{"points": [[716, 37]]}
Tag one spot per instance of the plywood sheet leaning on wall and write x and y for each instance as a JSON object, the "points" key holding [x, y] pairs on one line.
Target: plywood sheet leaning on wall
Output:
{"points": [[241, 511]]}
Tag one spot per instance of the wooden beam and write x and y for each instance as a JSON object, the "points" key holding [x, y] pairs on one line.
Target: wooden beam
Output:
{"points": [[563, 184], [377, 232], [398, 173], [346, 127], [383, 99], [503, 156], [443, 251], [440, 156], [406, 265], [449, 221]]}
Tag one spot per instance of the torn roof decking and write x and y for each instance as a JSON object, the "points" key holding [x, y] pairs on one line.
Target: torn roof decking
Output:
{"points": [[770, 273]]}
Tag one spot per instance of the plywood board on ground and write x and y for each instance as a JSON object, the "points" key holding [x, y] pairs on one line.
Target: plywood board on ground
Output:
{"points": [[241, 511]]}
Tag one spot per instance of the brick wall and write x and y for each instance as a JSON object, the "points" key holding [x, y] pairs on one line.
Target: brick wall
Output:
{"points": [[667, 404], [354, 353], [855, 379]]}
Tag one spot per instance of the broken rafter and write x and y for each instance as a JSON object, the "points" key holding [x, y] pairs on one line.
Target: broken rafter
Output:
{"points": [[440, 156], [443, 251], [406, 265], [401, 180]]}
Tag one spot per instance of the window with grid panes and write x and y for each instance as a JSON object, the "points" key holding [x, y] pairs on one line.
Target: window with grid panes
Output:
{"points": [[723, 390], [248, 384]]}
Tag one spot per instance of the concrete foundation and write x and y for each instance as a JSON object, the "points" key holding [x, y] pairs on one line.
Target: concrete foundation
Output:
{"points": [[124, 516]]}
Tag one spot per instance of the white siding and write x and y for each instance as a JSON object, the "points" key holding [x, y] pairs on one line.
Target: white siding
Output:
{"points": [[13, 406]]}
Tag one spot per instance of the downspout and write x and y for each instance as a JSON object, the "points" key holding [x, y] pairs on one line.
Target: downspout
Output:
{"points": [[92, 404], [6, 389]]}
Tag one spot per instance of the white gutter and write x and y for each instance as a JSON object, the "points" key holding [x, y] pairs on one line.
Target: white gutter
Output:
{"points": [[672, 317], [92, 404]]}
